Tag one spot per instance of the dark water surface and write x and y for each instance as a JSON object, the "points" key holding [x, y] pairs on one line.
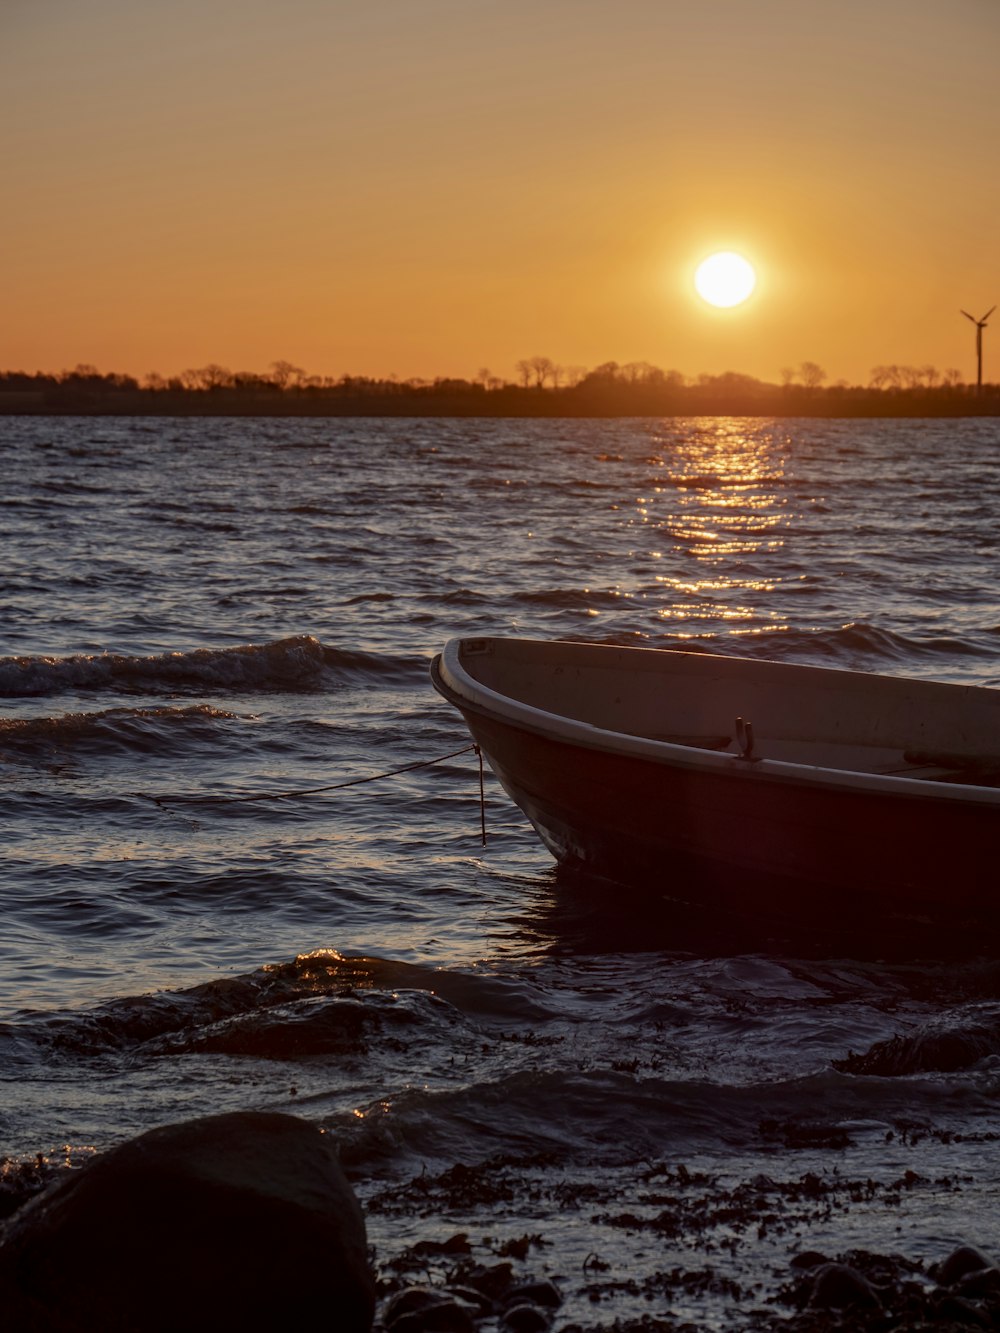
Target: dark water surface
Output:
{"points": [[198, 611]]}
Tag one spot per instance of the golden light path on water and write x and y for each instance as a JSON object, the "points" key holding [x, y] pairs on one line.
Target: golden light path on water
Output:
{"points": [[718, 498]]}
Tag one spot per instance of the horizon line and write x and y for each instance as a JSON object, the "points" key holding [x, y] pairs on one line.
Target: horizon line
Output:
{"points": [[532, 373]]}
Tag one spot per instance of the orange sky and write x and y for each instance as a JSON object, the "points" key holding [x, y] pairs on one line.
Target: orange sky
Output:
{"points": [[429, 187]]}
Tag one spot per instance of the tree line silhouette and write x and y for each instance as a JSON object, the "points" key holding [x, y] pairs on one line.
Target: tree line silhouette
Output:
{"points": [[542, 387]]}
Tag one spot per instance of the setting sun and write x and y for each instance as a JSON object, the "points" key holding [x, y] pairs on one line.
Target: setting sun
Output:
{"points": [[724, 279]]}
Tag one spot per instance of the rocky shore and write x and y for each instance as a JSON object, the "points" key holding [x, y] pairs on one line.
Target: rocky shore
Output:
{"points": [[246, 1221], [856, 1292]]}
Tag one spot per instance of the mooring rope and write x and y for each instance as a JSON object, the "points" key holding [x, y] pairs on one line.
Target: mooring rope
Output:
{"points": [[218, 799], [315, 791]]}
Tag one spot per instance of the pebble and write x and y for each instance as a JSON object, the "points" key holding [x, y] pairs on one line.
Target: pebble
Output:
{"points": [[535, 1293], [980, 1284], [954, 1310], [525, 1318], [441, 1316], [838, 1286], [960, 1262]]}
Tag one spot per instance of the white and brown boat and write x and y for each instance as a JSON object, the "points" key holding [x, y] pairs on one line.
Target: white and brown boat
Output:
{"points": [[770, 786]]}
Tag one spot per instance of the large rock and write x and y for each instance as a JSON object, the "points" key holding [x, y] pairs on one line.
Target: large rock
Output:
{"points": [[233, 1222]]}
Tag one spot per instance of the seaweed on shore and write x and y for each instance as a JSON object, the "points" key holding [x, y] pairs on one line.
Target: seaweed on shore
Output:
{"points": [[856, 1292]]}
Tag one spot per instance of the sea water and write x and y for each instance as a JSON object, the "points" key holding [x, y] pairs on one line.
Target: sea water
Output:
{"points": [[242, 864]]}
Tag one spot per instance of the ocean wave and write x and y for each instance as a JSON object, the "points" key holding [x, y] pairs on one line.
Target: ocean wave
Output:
{"points": [[856, 644], [712, 481], [350, 1023], [299, 662], [131, 1021], [317, 1003], [609, 1117], [362, 597], [145, 729], [946, 1043]]}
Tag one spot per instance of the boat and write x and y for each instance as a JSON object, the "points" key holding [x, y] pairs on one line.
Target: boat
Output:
{"points": [[769, 786]]}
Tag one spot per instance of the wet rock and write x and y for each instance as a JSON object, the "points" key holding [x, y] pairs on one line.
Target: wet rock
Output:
{"points": [[982, 1284], [838, 1287], [410, 1300], [440, 1316], [953, 1310], [232, 1222], [964, 1260], [493, 1281], [863, 1292], [809, 1259], [525, 1318], [20, 1180], [535, 1293], [478, 1300], [426, 1310]]}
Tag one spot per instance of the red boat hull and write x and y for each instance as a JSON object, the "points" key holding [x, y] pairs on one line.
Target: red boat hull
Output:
{"points": [[743, 839]]}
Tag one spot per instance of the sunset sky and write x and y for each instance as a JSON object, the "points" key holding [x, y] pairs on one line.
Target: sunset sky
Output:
{"points": [[431, 187]]}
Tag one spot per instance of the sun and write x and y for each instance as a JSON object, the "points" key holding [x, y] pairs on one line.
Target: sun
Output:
{"points": [[725, 279]]}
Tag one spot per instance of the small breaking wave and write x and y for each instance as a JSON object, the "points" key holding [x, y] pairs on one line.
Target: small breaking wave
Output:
{"points": [[299, 662], [144, 729], [607, 1116], [317, 1003], [280, 1011], [945, 1044], [348, 1023]]}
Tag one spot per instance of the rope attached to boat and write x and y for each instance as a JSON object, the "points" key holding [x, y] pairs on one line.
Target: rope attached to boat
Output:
{"points": [[213, 798], [482, 796]]}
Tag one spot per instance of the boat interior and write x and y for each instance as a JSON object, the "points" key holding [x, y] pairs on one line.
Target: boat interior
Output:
{"points": [[818, 716], [982, 770]]}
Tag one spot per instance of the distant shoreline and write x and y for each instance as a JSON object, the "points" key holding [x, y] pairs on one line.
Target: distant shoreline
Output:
{"points": [[520, 404], [544, 391]]}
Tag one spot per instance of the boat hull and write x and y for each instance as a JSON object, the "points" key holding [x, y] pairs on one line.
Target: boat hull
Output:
{"points": [[742, 838]]}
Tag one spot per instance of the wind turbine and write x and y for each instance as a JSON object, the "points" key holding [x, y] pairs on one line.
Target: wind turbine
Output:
{"points": [[980, 325]]}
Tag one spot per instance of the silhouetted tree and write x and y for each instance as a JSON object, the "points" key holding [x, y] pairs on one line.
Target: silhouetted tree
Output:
{"points": [[207, 378], [811, 375], [284, 374], [641, 372], [731, 382], [605, 373], [249, 381], [82, 374], [541, 368]]}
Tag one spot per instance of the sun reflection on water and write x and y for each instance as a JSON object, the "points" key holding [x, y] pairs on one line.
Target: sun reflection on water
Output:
{"points": [[715, 504]]}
